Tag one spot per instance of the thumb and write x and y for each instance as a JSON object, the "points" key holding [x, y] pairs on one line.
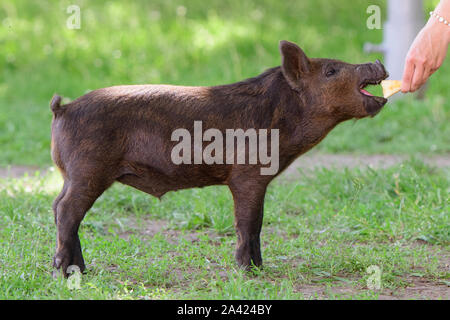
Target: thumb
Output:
{"points": [[407, 76]]}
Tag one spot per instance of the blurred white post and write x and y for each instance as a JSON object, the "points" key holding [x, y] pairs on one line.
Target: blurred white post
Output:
{"points": [[405, 18]]}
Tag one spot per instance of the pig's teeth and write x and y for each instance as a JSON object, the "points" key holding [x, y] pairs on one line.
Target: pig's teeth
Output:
{"points": [[366, 92]]}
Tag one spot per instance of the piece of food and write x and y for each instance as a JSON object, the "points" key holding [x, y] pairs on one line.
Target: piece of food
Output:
{"points": [[390, 87]]}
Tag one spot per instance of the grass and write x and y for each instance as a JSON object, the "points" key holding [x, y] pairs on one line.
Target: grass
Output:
{"points": [[190, 43], [322, 231]]}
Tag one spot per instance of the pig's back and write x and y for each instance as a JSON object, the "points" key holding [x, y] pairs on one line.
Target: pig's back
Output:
{"points": [[137, 96]]}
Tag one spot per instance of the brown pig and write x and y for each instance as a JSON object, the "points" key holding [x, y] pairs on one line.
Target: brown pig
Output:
{"points": [[129, 134]]}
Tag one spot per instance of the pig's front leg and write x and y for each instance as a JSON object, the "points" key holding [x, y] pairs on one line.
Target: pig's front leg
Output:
{"points": [[248, 214]]}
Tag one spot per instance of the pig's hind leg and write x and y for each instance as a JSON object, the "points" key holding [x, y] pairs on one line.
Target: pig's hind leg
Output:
{"points": [[76, 198]]}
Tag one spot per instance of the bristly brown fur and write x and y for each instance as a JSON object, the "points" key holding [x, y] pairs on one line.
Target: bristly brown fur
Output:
{"points": [[123, 134]]}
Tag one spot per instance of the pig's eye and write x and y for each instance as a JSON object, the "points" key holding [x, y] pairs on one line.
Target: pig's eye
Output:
{"points": [[330, 72]]}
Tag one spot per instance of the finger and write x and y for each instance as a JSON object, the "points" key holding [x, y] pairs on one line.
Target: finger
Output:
{"points": [[427, 74], [418, 77], [432, 70], [407, 76]]}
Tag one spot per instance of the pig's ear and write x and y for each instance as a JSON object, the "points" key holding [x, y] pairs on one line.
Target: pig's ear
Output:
{"points": [[294, 62]]}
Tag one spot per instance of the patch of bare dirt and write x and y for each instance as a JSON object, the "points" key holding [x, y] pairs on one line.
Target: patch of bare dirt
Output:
{"points": [[417, 289], [18, 171], [150, 228], [307, 161], [420, 288], [340, 161]]}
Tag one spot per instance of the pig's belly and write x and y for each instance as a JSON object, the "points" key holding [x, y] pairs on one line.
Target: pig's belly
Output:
{"points": [[156, 182]]}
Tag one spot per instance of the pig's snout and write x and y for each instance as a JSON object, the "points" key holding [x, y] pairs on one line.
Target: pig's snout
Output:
{"points": [[381, 69], [372, 73]]}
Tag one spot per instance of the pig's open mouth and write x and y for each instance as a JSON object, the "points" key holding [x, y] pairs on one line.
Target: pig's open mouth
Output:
{"points": [[367, 83], [372, 74]]}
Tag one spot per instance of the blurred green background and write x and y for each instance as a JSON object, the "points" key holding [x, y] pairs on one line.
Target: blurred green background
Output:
{"points": [[192, 43]]}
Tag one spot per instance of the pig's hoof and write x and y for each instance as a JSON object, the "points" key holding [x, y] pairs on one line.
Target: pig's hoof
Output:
{"points": [[249, 264], [63, 260]]}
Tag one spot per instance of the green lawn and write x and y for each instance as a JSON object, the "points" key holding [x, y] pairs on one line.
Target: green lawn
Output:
{"points": [[191, 43], [322, 231]]}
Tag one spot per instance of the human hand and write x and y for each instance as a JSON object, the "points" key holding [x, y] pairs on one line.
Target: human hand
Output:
{"points": [[425, 55]]}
